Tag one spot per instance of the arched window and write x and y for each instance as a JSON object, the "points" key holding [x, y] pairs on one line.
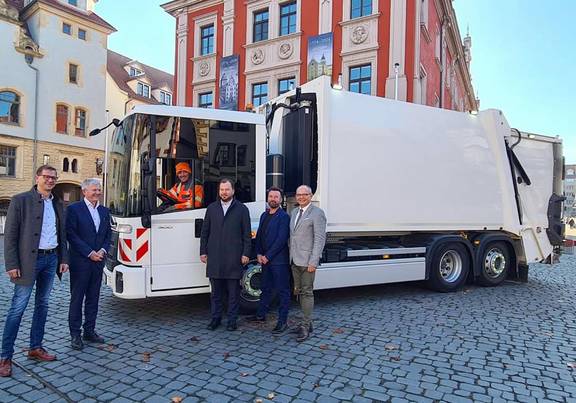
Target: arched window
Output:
{"points": [[65, 165], [62, 119], [75, 165], [9, 107], [80, 122]]}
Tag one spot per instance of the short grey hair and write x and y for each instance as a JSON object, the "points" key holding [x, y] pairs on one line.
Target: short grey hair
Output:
{"points": [[308, 188], [89, 182]]}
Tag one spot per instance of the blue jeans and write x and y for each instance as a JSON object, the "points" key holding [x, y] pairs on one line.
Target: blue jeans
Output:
{"points": [[46, 266]]}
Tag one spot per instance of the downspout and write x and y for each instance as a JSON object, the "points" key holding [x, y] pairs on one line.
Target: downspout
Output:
{"points": [[29, 59], [441, 103]]}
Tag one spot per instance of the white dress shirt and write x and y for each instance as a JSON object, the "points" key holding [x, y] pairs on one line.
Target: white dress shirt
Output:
{"points": [[49, 234], [225, 205], [94, 213], [297, 221]]}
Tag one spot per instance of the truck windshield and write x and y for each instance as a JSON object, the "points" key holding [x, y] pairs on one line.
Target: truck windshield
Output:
{"points": [[128, 145]]}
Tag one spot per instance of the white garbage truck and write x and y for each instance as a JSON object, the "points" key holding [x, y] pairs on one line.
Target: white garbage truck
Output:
{"points": [[410, 192]]}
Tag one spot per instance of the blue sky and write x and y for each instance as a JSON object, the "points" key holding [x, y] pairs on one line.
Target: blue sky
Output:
{"points": [[523, 56]]}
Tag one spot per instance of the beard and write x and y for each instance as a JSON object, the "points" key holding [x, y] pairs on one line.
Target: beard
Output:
{"points": [[273, 204]]}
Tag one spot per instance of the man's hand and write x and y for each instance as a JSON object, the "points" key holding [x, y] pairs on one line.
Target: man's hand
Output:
{"points": [[14, 273], [102, 253], [259, 259], [95, 257], [63, 267], [311, 269], [245, 260], [203, 258], [264, 260]]}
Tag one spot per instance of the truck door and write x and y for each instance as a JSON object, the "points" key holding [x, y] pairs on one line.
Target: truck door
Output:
{"points": [[180, 205], [535, 173]]}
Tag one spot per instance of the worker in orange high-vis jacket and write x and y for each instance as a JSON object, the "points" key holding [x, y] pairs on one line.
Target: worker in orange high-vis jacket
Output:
{"points": [[188, 194]]}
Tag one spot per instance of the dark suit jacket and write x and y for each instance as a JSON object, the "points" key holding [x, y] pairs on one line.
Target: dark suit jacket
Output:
{"points": [[225, 239], [22, 234], [274, 243], [82, 235]]}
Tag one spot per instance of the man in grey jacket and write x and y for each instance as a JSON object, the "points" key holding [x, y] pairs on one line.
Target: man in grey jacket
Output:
{"points": [[307, 239], [34, 250]]}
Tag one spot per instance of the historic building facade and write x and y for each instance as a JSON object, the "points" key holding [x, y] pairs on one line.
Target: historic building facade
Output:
{"points": [[52, 93], [230, 53]]}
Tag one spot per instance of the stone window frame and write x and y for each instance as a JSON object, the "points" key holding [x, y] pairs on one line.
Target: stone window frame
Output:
{"points": [[347, 8], [69, 108], [20, 102], [273, 7], [201, 22], [198, 89], [206, 105], [14, 157], [85, 128], [67, 24], [69, 73], [357, 59]]}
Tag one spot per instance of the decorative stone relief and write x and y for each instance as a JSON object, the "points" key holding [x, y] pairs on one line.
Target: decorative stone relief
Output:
{"points": [[204, 69], [359, 34], [257, 56], [285, 50]]}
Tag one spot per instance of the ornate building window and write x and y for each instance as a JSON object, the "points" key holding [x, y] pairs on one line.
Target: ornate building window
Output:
{"points": [[360, 8], [259, 93], [82, 34], [361, 79], [65, 165], [9, 107], [207, 40], [67, 28], [73, 73], [285, 85], [288, 18], [75, 165], [205, 100], [260, 27]]}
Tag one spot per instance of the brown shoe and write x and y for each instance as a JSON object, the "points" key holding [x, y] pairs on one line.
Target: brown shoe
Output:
{"points": [[39, 354], [5, 367]]}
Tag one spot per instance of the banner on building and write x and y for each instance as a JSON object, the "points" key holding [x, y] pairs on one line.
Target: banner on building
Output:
{"points": [[319, 56], [228, 83]]}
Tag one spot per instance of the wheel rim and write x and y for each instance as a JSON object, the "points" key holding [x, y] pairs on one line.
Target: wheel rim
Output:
{"points": [[250, 282], [450, 266], [494, 263]]}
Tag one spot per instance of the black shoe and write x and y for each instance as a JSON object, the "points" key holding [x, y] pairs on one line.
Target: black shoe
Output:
{"points": [[296, 329], [256, 319], [214, 324], [231, 326], [93, 338], [303, 334], [76, 343], [280, 328]]}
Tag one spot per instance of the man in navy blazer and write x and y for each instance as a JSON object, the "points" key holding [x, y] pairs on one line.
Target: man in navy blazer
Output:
{"points": [[272, 254], [88, 230]]}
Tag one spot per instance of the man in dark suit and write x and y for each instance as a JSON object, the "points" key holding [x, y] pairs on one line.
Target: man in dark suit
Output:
{"points": [[225, 245], [88, 230], [34, 250], [272, 253]]}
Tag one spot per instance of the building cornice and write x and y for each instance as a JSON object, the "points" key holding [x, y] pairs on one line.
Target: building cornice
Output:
{"points": [[174, 8]]}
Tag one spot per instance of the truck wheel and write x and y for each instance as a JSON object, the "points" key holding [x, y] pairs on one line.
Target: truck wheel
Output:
{"points": [[449, 268], [495, 263], [250, 289]]}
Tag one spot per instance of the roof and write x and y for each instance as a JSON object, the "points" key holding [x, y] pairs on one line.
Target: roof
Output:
{"points": [[157, 78], [87, 15], [199, 113]]}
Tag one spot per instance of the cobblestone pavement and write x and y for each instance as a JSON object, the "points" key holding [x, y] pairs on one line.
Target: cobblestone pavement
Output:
{"points": [[381, 343]]}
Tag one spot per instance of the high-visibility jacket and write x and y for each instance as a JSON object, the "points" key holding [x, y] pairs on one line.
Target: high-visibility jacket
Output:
{"points": [[188, 197]]}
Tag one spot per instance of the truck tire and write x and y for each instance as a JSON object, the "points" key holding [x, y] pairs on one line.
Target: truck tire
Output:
{"points": [[494, 264], [250, 287], [450, 267]]}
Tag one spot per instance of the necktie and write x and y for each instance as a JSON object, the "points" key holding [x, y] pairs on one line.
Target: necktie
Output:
{"points": [[298, 217]]}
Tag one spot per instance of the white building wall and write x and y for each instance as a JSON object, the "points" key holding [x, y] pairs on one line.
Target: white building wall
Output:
{"points": [[16, 76], [90, 93]]}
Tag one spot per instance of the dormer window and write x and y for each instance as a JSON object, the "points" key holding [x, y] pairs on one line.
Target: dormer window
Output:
{"points": [[165, 98], [73, 3], [143, 90], [134, 72]]}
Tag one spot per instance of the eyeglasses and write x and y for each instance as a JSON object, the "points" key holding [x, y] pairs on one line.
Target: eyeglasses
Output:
{"points": [[48, 177], [302, 194]]}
